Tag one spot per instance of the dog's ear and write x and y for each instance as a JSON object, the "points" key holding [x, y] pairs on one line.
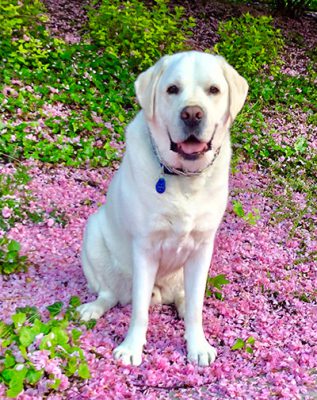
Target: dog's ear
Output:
{"points": [[238, 88], [145, 86]]}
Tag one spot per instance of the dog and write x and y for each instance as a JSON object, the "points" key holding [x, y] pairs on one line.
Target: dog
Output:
{"points": [[152, 241]]}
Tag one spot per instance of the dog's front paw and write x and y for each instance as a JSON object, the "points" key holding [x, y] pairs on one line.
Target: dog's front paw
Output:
{"points": [[129, 353], [93, 310], [201, 353]]}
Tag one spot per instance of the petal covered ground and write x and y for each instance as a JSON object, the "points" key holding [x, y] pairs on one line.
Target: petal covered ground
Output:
{"points": [[263, 300], [271, 295]]}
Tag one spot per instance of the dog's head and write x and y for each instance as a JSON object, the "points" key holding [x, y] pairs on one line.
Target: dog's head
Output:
{"points": [[189, 100]]}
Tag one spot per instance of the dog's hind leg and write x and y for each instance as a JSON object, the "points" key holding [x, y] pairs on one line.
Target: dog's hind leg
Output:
{"points": [[179, 301], [172, 291], [94, 266]]}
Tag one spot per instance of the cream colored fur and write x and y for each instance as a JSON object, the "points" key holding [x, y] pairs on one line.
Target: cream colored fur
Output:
{"points": [[142, 245]]}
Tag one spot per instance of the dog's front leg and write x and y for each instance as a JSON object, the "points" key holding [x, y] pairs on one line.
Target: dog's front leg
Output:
{"points": [[144, 273], [195, 276]]}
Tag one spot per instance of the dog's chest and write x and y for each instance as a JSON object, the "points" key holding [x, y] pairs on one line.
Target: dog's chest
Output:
{"points": [[178, 231]]}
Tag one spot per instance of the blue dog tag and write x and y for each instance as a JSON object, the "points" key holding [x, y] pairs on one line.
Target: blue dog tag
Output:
{"points": [[160, 186]]}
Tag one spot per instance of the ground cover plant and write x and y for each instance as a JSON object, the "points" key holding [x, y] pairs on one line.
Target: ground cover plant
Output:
{"points": [[41, 354], [290, 158], [66, 94]]}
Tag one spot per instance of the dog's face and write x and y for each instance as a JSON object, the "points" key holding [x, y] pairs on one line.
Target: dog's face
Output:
{"points": [[189, 100]]}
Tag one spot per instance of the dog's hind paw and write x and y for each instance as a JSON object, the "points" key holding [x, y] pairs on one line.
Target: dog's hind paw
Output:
{"points": [[95, 309]]}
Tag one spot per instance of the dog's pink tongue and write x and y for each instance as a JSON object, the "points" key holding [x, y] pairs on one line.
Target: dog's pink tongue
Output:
{"points": [[192, 147]]}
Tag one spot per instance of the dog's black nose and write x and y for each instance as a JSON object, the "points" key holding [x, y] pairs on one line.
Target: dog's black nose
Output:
{"points": [[192, 116]]}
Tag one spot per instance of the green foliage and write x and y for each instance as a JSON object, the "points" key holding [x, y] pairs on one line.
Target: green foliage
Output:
{"points": [[251, 134], [137, 33], [15, 202], [215, 285], [23, 38], [59, 217], [18, 17], [250, 44], [55, 309], [285, 91], [28, 339], [251, 217], [292, 164], [97, 96], [69, 104], [95, 90], [10, 259], [246, 345], [15, 199], [14, 207]]}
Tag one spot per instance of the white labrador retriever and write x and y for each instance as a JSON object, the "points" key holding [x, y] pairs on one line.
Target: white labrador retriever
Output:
{"points": [[153, 239]]}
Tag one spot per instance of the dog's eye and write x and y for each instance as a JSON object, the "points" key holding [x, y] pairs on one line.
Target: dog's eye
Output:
{"points": [[213, 90], [173, 89]]}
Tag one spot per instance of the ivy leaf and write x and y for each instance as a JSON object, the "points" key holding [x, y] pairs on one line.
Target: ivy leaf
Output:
{"points": [[76, 333], [31, 313], [23, 351], [14, 246], [18, 319], [238, 208], [5, 330], [83, 371], [219, 281], [251, 340], [26, 336], [74, 301], [33, 375], [218, 296], [301, 144], [41, 327], [47, 341], [91, 323], [55, 309], [55, 385], [7, 374], [14, 391], [9, 360], [71, 366], [238, 345], [61, 336], [16, 382], [215, 285]]}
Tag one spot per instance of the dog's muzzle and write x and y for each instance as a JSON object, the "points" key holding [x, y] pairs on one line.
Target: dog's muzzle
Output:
{"points": [[191, 149]]}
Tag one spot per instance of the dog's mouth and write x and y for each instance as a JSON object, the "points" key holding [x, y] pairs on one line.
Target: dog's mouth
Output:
{"points": [[191, 148]]}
